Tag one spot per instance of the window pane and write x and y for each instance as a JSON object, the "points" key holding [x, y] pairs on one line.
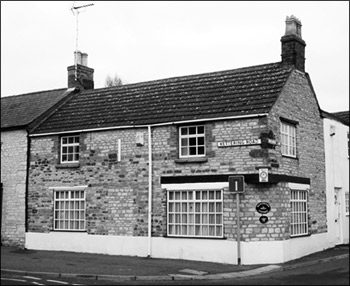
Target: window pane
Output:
{"points": [[200, 150], [184, 142], [184, 131], [200, 140], [192, 130], [193, 141], [200, 129]]}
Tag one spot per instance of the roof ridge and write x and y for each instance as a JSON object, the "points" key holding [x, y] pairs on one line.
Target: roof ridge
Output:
{"points": [[34, 92], [177, 78]]}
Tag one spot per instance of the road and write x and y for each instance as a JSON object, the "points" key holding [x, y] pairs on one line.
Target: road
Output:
{"points": [[334, 272]]}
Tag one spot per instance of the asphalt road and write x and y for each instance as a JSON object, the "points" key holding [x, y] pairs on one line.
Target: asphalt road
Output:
{"points": [[334, 272]]}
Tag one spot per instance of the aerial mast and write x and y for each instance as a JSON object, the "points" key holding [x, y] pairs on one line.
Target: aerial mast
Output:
{"points": [[76, 10]]}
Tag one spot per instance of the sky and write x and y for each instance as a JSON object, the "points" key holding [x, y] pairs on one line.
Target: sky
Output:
{"points": [[148, 40]]}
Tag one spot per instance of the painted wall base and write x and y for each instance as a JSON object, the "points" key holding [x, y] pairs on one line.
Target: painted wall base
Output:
{"points": [[209, 250]]}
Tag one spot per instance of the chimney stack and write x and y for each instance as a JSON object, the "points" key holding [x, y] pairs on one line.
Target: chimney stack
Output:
{"points": [[293, 46], [80, 75]]}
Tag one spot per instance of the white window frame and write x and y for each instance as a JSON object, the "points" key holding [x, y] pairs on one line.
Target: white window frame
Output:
{"points": [[69, 208], [299, 212], [195, 213], [288, 139], [185, 136], [70, 149]]}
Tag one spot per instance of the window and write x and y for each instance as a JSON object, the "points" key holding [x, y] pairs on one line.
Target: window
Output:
{"points": [[196, 213], [69, 210], [347, 203], [70, 149], [192, 141], [288, 139], [299, 215]]}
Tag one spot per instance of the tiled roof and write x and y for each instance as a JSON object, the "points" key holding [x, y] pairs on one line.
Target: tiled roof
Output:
{"points": [[20, 110], [243, 91], [342, 116]]}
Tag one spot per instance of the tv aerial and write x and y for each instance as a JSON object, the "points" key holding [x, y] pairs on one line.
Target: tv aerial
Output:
{"points": [[76, 10]]}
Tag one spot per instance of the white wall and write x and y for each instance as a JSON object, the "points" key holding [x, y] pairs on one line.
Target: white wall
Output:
{"points": [[337, 176], [209, 250]]}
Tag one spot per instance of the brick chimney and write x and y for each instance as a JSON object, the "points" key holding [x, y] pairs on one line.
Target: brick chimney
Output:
{"points": [[80, 75], [293, 46]]}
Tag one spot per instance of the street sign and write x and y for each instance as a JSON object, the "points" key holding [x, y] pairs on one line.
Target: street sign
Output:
{"points": [[236, 184], [263, 175]]}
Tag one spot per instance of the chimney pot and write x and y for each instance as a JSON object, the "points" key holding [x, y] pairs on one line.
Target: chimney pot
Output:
{"points": [[77, 57], [293, 26], [84, 59]]}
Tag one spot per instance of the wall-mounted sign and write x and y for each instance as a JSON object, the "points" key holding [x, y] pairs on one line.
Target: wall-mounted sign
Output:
{"points": [[263, 208], [263, 175], [236, 184], [233, 143], [263, 219], [271, 141]]}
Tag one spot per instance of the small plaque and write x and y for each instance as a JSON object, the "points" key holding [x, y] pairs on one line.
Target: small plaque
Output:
{"points": [[263, 219], [263, 208]]}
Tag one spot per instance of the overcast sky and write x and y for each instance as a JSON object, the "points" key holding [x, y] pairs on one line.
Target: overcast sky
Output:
{"points": [[141, 41]]}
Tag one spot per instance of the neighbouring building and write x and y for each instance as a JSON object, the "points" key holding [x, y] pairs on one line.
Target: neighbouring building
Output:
{"points": [[162, 168], [18, 115], [336, 133]]}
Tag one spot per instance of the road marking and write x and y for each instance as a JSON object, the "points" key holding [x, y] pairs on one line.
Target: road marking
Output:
{"points": [[55, 281], [31, 277], [17, 280], [37, 283]]}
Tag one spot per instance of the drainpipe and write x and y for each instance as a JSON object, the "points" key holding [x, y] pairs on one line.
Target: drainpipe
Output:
{"points": [[149, 191]]}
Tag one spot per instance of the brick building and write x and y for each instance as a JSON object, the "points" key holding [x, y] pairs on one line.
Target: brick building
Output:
{"points": [[143, 169], [19, 114]]}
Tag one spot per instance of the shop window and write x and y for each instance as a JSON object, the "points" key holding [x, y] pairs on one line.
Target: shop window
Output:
{"points": [[196, 213], [347, 203], [69, 210], [299, 212], [192, 141], [70, 149], [288, 139]]}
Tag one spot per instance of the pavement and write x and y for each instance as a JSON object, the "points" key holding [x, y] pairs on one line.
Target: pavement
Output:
{"points": [[115, 267]]}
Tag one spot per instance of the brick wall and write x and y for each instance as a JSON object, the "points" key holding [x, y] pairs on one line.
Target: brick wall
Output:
{"points": [[117, 194], [13, 177], [298, 103]]}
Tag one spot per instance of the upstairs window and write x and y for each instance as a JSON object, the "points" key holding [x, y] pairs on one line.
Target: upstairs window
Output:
{"points": [[192, 141], [70, 149], [288, 139]]}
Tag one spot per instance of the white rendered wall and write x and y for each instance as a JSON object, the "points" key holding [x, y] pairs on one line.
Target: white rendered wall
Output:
{"points": [[209, 250], [337, 176]]}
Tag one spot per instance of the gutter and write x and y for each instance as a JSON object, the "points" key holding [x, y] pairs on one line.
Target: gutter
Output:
{"points": [[152, 125]]}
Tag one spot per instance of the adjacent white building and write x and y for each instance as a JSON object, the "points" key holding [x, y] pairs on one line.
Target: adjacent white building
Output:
{"points": [[336, 134]]}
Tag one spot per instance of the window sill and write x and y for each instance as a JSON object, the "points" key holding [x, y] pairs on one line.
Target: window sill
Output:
{"points": [[191, 160], [68, 165], [300, 235], [290, 157], [196, 237]]}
